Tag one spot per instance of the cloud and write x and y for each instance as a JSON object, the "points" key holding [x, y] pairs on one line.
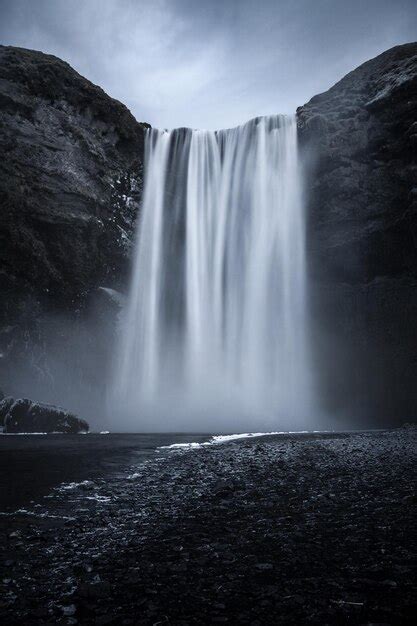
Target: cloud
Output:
{"points": [[212, 63]]}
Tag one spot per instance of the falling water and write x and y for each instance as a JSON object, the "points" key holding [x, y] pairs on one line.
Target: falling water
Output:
{"points": [[214, 335]]}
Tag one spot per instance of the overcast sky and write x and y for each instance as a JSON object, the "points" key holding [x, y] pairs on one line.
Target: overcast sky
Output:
{"points": [[209, 63]]}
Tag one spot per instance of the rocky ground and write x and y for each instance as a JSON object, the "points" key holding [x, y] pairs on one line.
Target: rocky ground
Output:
{"points": [[289, 529]]}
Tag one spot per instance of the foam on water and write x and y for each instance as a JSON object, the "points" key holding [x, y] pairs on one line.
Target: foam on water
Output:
{"points": [[36, 514], [219, 439]]}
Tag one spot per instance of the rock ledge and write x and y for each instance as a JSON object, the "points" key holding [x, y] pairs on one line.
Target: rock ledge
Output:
{"points": [[26, 416]]}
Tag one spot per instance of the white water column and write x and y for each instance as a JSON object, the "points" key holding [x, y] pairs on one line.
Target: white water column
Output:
{"points": [[216, 323]]}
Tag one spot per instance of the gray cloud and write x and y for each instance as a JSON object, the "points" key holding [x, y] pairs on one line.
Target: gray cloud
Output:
{"points": [[209, 63]]}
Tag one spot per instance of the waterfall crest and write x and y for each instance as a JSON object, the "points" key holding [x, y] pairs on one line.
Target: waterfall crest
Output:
{"points": [[214, 335]]}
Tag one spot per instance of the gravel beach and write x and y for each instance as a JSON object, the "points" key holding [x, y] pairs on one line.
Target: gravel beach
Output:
{"points": [[284, 529]]}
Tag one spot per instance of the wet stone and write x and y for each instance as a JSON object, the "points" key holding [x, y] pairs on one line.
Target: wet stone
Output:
{"points": [[159, 549]]}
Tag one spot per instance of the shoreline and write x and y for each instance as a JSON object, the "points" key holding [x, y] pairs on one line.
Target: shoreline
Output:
{"points": [[33, 464]]}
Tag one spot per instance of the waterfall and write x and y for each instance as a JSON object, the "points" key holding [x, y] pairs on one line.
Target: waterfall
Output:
{"points": [[214, 336]]}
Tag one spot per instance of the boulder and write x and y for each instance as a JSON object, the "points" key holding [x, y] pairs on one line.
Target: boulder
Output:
{"points": [[25, 416], [5, 405]]}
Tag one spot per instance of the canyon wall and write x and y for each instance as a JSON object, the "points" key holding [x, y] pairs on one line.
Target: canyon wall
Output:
{"points": [[70, 186], [70, 191], [358, 142]]}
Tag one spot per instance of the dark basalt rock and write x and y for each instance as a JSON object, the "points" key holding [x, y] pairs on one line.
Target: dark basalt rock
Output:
{"points": [[70, 187], [358, 141], [26, 416], [5, 405], [70, 182]]}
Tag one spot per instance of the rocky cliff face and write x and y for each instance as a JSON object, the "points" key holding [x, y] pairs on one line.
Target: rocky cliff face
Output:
{"points": [[70, 180], [359, 143], [70, 186]]}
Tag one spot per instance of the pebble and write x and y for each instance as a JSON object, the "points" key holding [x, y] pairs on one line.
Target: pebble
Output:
{"points": [[238, 533]]}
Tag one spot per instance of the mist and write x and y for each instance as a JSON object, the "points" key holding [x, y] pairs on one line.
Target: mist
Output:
{"points": [[64, 359]]}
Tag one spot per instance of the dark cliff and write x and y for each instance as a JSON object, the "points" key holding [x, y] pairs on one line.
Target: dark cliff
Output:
{"points": [[359, 142], [70, 187], [70, 181]]}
